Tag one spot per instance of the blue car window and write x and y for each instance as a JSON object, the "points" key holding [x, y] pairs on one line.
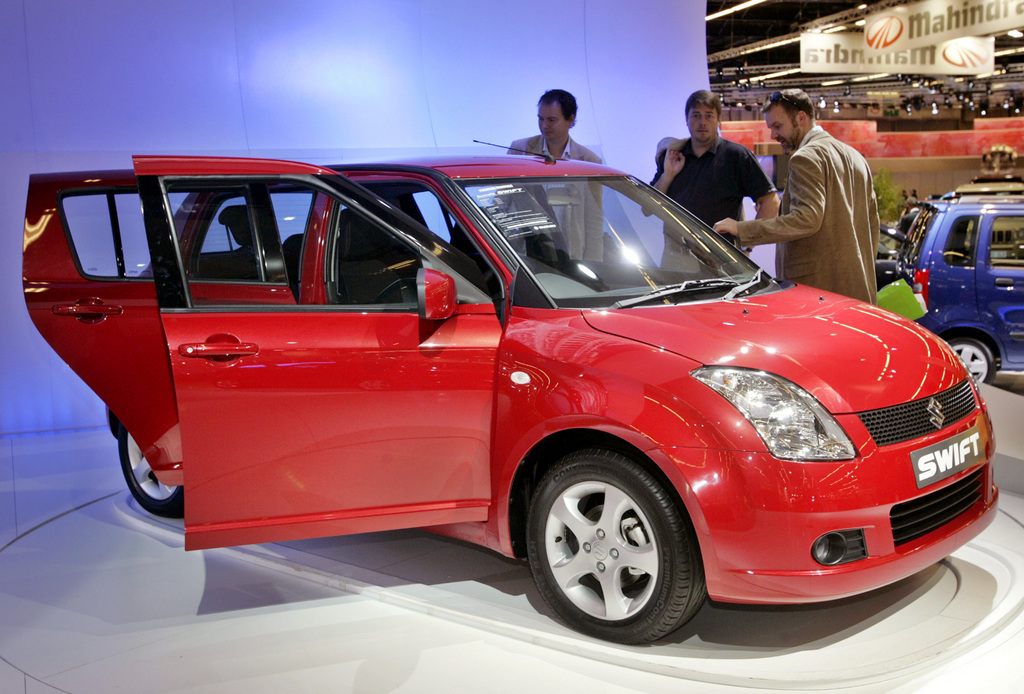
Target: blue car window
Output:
{"points": [[1007, 247], [961, 243]]}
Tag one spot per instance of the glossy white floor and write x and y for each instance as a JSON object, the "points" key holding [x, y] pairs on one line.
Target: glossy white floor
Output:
{"points": [[96, 596]]}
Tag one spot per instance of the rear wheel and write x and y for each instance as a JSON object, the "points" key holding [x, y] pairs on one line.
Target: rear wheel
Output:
{"points": [[611, 553], [977, 356], [148, 491]]}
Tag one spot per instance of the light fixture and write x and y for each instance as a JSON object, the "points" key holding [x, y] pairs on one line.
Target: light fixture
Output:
{"points": [[734, 8]]}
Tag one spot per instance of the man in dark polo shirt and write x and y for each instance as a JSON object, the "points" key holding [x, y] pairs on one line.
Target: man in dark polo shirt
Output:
{"points": [[709, 175]]}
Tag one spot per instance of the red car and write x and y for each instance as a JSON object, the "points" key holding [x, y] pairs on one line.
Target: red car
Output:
{"points": [[548, 359]]}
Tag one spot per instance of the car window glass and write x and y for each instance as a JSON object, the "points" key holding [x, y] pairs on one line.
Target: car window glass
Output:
{"points": [[435, 217], [1007, 247], [453, 244], [132, 228], [241, 243], [107, 233], [962, 242], [370, 265], [600, 242], [214, 230], [917, 233]]}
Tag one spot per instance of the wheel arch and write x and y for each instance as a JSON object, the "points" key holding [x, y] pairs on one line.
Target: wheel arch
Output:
{"points": [[553, 448], [979, 334]]}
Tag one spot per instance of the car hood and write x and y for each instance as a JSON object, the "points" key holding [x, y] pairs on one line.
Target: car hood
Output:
{"points": [[851, 355]]}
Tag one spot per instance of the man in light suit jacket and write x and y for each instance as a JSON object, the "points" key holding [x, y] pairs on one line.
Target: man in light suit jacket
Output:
{"points": [[580, 215], [827, 231], [556, 114]]}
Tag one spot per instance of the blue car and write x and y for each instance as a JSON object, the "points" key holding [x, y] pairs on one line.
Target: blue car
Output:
{"points": [[964, 257]]}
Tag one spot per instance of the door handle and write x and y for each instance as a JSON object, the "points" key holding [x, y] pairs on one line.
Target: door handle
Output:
{"points": [[90, 310], [218, 351], [1004, 281]]}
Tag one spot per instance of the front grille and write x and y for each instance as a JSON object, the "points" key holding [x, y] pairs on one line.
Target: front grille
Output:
{"points": [[913, 419], [913, 519]]}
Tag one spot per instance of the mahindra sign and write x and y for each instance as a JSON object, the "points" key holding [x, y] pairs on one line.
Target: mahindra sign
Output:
{"points": [[845, 53], [933, 21]]}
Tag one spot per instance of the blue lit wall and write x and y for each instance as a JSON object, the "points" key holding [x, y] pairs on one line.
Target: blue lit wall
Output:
{"points": [[88, 84]]}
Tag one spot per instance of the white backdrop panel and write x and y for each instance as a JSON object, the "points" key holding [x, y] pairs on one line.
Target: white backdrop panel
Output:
{"points": [[343, 75], [107, 74], [486, 87], [87, 84]]}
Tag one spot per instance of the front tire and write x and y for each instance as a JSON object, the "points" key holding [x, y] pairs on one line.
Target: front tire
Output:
{"points": [[977, 357], [611, 553], [148, 491]]}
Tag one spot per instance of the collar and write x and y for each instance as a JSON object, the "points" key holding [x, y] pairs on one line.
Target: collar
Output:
{"points": [[566, 153], [813, 131], [713, 148]]}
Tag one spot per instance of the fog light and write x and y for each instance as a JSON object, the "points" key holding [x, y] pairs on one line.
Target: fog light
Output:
{"points": [[839, 547]]}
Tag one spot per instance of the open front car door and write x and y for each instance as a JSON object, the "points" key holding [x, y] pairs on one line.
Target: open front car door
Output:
{"points": [[313, 397]]}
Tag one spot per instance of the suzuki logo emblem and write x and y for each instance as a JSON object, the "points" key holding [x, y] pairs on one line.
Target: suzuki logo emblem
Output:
{"points": [[935, 410]]}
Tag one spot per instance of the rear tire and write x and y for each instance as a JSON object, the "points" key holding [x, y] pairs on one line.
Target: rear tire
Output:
{"points": [[611, 553], [148, 491], [977, 356]]}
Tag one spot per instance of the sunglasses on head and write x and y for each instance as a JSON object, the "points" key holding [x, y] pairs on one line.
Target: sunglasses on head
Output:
{"points": [[776, 97]]}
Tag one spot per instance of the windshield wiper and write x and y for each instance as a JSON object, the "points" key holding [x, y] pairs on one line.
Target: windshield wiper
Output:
{"points": [[681, 288], [736, 291]]}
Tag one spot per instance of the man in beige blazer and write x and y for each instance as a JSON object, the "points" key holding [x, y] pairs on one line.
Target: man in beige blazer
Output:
{"points": [[556, 114], [827, 230]]}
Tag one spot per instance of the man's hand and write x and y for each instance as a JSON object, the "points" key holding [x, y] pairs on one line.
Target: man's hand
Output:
{"points": [[727, 226], [674, 162]]}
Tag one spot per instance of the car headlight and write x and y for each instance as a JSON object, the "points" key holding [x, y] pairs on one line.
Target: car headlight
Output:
{"points": [[790, 421]]}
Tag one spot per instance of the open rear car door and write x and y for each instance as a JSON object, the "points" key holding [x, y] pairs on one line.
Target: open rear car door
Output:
{"points": [[313, 398]]}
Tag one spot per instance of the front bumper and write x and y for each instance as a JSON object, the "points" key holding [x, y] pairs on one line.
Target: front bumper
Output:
{"points": [[757, 517]]}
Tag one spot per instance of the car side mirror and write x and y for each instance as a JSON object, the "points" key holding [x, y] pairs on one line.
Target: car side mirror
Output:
{"points": [[436, 295]]}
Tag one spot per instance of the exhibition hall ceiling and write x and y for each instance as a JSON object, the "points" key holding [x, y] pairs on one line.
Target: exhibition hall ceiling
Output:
{"points": [[763, 39]]}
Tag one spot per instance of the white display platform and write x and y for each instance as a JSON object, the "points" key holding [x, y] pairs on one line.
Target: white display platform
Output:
{"points": [[106, 594]]}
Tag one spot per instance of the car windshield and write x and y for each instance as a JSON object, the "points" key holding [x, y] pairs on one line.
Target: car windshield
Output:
{"points": [[612, 242], [911, 249]]}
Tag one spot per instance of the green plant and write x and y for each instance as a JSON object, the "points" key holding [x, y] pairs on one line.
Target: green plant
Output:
{"points": [[889, 197]]}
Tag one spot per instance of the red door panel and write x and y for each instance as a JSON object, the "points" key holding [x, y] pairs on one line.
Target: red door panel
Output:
{"points": [[348, 421]]}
